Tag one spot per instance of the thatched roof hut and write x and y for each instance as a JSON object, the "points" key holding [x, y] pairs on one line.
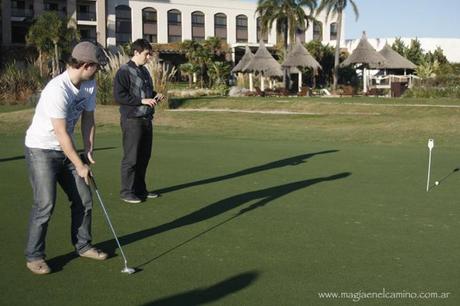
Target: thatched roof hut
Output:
{"points": [[247, 57], [394, 60], [365, 54], [299, 56], [264, 63]]}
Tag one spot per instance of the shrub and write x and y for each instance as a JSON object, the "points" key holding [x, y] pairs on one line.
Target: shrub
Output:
{"points": [[18, 83]]}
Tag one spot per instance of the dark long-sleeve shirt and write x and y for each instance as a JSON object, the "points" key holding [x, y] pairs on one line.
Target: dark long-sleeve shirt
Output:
{"points": [[133, 83]]}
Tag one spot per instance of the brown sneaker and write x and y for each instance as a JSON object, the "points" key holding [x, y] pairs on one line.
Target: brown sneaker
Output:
{"points": [[38, 266], [94, 253]]}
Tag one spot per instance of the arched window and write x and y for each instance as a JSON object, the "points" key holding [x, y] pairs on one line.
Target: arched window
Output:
{"points": [[220, 26], [198, 26], [149, 24], [317, 31], [174, 26], [122, 24], [333, 31], [259, 31], [241, 28]]}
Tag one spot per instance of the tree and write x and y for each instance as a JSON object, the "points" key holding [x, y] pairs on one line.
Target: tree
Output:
{"points": [[189, 69], [337, 7], [204, 54], [399, 46], [415, 52], [195, 54], [289, 16], [218, 72], [51, 34]]}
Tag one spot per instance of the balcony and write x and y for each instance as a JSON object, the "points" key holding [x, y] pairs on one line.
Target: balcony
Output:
{"points": [[86, 16], [22, 12]]}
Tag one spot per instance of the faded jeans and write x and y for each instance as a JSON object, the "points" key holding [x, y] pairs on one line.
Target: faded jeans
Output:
{"points": [[46, 169]]}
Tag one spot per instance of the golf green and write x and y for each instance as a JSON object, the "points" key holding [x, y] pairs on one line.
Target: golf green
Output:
{"points": [[248, 221]]}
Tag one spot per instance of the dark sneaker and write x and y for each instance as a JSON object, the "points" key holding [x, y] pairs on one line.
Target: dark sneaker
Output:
{"points": [[94, 253], [131, 200], [38, 266]]}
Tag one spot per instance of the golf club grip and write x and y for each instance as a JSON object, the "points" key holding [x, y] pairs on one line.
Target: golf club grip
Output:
{"points": [[85, 160]]}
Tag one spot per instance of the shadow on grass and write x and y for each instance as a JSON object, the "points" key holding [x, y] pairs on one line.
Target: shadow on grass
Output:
{"points": [[265, 196], [7, 159], [210, 294], [291, 161]]}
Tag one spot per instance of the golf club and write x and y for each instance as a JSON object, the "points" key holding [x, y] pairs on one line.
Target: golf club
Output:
{"points": [[126, 269], [430, 147]]}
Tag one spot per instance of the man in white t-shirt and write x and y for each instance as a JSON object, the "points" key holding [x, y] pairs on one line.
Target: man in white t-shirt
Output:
{"points": [[52, 158]]}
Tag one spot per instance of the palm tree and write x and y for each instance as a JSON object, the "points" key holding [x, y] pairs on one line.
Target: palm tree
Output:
{"points": [[51, 34], [289, 16], [336, 8]]}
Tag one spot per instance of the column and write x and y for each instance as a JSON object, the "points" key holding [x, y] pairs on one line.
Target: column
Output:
{"points": [[38, 8], [72, 9], [6, 22], [101, 27]]}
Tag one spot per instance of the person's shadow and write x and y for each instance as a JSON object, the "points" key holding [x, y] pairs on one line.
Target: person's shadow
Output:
{"points": [[291, 161], [263, 197], [210, 294]]}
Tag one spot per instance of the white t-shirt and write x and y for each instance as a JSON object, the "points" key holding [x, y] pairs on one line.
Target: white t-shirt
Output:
{"points": [[59, 99]]}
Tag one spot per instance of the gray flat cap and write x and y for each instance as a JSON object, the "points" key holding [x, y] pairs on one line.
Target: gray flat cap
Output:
{"points": [[86, 51]]}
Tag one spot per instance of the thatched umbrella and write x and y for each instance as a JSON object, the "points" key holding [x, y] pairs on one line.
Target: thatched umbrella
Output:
{"points": [[247, 57], [299, 57], [394, 60], [365, 54], [264, 64]]}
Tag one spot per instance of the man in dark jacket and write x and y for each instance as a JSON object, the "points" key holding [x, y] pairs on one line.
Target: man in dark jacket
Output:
{"points": [[133, 90]]}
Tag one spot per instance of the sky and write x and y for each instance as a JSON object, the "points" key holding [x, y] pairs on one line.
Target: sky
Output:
{"points": [[403, 18]]}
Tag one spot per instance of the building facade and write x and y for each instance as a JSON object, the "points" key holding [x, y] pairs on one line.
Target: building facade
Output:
{"points": [[18, 15], [115, 22]]}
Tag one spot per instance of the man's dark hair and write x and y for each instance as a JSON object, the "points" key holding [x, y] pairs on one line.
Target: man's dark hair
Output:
{"points": [[74, 63], [140, 45], [77, 64]]}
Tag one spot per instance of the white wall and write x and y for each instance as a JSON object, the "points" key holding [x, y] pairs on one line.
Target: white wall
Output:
{"points": [[450, 46], [231, 8]]}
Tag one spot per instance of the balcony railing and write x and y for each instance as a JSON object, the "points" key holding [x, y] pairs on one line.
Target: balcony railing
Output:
{"points": [[22, 13], [87, 16]]}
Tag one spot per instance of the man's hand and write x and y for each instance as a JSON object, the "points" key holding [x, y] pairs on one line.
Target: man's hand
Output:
{"points": [[84, 172], [158, 98], [149, 102]]}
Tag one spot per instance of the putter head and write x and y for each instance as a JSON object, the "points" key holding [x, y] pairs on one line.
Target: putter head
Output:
{"points": [[430, 144], [128, 270]]}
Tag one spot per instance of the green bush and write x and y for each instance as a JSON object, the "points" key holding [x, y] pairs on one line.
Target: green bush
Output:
{"points": [[433, 92], [104, 94], [442, 86], [17, 83]]}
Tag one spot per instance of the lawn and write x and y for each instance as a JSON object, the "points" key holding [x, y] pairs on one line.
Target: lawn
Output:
{"points": [[256, 209]]}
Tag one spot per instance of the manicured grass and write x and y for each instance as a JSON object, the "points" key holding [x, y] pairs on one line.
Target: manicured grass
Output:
{"points": [[249, 217]]}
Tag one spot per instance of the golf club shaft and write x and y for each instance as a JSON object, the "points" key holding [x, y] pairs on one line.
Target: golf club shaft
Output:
{"points": [[429, 170], [108, 221]]}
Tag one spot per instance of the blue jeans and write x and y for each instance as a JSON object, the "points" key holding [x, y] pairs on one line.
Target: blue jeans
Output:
{"points": [[46, 169]]}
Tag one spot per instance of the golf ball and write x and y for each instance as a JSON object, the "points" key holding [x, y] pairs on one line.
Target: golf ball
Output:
{"points": [[436, 183]]}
